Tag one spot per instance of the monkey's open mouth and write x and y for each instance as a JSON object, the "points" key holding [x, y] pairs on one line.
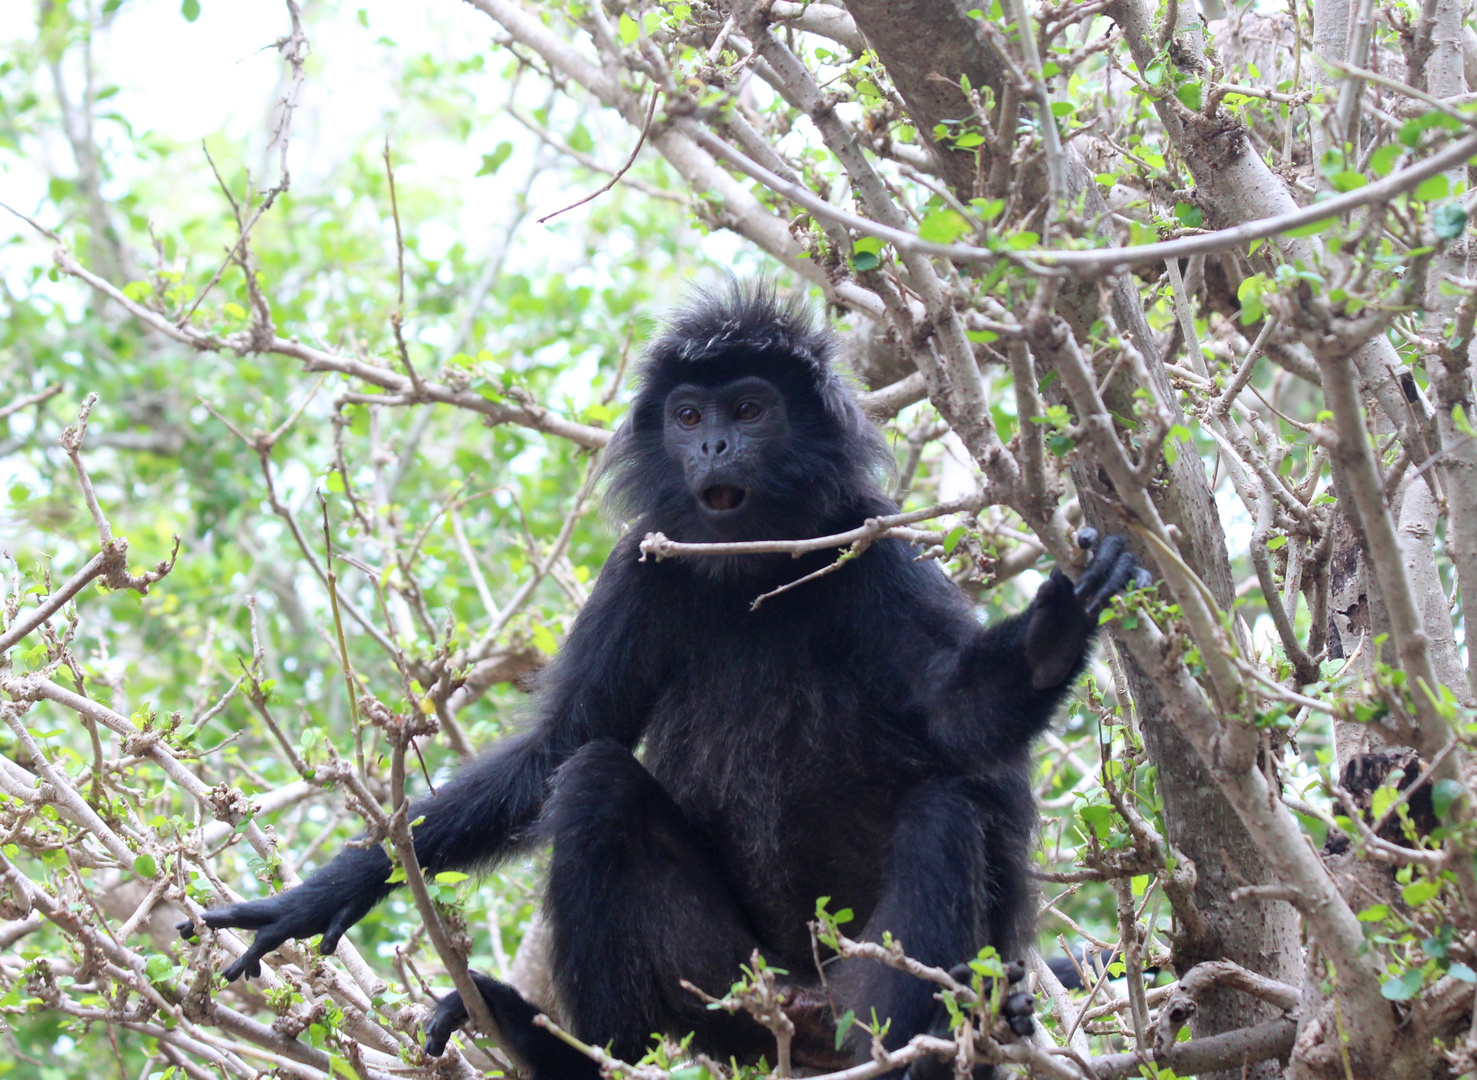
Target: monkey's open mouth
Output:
{"points": [[723, 497]]}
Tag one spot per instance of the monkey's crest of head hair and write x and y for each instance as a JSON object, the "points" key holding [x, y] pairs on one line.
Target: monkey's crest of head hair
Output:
{"points": [[835, 454]]}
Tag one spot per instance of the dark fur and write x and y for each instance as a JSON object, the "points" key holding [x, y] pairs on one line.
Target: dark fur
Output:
{"points": [[860, 737]]}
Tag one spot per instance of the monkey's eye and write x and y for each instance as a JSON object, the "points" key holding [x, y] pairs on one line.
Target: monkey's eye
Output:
{"points": [[687, 416], [748, 410]]}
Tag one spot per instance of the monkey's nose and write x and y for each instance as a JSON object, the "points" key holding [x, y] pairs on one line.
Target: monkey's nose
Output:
{"points": [[716, 447]]}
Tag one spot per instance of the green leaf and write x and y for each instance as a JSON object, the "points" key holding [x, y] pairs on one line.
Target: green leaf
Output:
{"points": [[843, 1025], [1383, 159], [1443, 793], [1276, 542], [1347, 181], [627, 29], [969, 140], [1188, 214], [943, 227], [1418, 892], [1462, 972], [982, 337], [1312, 228], [866, 253], [1459, 418], [694, 1072], [951, 541], [158, 966], [1376, 913], [145, 866], [1190, 95], [1403, 988], [190, 9], [451, 877], [494, 161], [1449, 220], [1433, 187]]}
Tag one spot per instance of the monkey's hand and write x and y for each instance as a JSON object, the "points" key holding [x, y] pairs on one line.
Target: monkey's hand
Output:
{"points": [[1063, 616], [1016, 1007], [328, 904]]}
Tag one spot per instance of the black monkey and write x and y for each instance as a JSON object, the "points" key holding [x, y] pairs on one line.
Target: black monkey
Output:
{"points": [[861, 737]]}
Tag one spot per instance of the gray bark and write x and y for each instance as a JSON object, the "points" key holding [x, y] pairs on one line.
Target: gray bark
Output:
{"points": [[925, 46]]}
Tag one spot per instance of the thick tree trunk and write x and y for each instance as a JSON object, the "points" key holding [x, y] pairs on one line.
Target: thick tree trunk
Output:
{"points": [[925, 46]]}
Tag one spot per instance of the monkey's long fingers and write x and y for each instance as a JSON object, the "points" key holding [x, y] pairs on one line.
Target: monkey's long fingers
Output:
{"points": [[247, 915], [250, 962], [1122, 571], [1017, 1009], [345, 918], [450, 1014], [1104, 561]]}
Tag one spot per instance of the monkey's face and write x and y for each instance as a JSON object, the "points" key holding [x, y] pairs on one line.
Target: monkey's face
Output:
{"points": [[728, 440]]}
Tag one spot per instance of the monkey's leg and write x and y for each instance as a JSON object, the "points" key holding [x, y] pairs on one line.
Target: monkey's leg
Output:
{"points": [[956, 880], [637, 902]]}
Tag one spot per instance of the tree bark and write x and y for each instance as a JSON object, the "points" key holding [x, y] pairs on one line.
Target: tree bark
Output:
{"points": [[925, 47]]}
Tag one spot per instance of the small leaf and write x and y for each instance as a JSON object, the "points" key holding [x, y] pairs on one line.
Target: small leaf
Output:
{"points": [[1418, 892], [1376, 913], [494, 161], [1190, 96], [1443, 794], [982, 337], [1383, 159], [943, 227], [1449, 220], [1462, 972], [1398, 989], [190, 9], [951, 541], [627, 29], [1433, 187], [1189, 214], [969, 140], [1312, 228], [451, 877], [842, 1027], [145, 866]]}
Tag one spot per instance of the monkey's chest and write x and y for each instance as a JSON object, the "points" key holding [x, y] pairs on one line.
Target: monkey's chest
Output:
{"points": [[786, 769]]}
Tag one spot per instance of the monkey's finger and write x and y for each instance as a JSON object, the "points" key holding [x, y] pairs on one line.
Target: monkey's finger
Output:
{"points": [[250, 964], [186, 929], [1143, 577], [247, 915], [341, 922], [450, 1014], [1119, 575], [1017, 1009], [1104, 561]]}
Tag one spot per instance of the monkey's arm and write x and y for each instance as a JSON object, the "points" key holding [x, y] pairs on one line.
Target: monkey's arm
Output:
{"points": [[1007, 679], [597, 687]]}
